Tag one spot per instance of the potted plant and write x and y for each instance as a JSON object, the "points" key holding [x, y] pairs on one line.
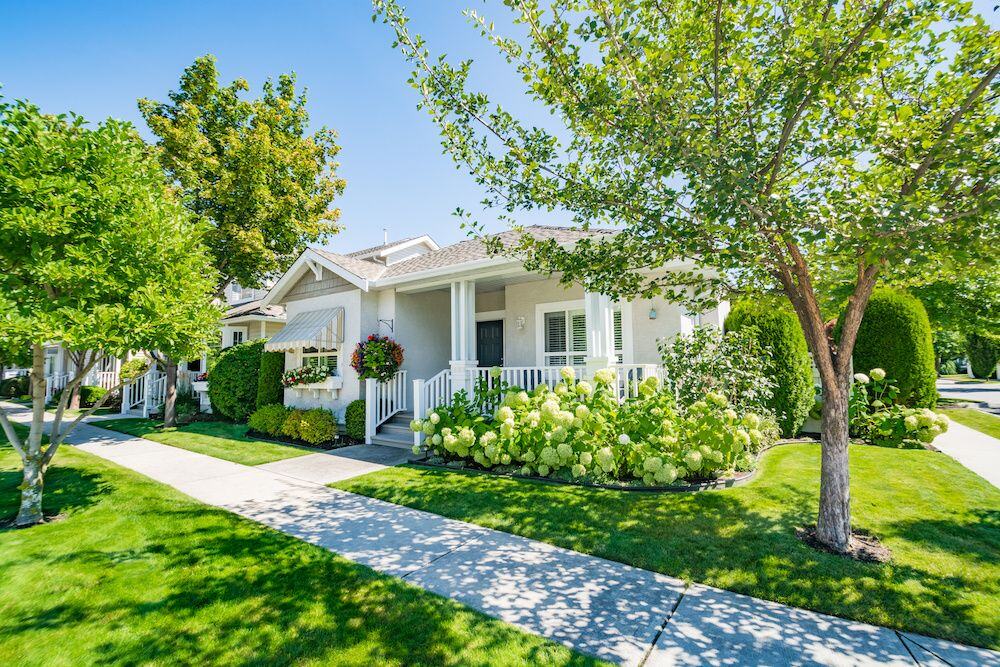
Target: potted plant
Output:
{"points": [[377, 357]]}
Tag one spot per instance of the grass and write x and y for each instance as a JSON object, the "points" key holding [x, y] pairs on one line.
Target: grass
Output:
{"points": [[941, 522], [962, 378], [137, 573], [976, 419], [223, 440]]}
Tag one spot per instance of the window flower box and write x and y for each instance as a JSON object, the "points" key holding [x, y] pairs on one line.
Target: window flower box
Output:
{"points": [[199, 386], [332, 384]]}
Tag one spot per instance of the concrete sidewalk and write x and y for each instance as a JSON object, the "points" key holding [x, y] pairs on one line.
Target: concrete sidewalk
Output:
{"points": [[603, 608], [977, 451]]}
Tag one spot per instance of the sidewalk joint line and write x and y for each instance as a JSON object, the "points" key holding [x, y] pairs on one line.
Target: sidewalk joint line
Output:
{"points": [[663, 626]]}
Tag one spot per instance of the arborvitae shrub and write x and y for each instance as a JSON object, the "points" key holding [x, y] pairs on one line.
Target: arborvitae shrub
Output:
{"points": [[232, 382], [269, 388]]}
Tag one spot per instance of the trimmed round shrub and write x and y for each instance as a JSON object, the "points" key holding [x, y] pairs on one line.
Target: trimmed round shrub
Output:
{"points": [[269, 389], [232, 382], [89, 395], [354, 420], [984, 352], [269, 419], [778, 330], [317, 426], [895, 335], [15, 386], [293, 424]]}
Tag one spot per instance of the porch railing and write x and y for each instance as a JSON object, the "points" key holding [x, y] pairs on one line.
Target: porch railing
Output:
{"points": [[55, 383], [145, 392], [430, 394], [631, 375], [525, 377], [382, 401]]}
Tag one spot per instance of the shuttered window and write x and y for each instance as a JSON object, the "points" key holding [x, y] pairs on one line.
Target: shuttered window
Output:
{"points": [[565, 333]]}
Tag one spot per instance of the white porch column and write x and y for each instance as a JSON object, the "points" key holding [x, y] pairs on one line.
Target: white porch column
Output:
{"points": [[600, 314], [463, 334]]}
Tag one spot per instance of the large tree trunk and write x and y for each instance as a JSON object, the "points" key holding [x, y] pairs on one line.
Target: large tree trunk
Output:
{"points": [[170, 396], [833, 524], [30, 511]]}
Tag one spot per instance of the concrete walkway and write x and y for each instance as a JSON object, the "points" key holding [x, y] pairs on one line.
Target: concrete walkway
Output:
{"points": [[987, 394], [977, 451], [599, 607], [338, 464]]}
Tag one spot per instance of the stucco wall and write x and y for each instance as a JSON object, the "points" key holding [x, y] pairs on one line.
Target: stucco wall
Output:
{"points": [[520, 301], [423, 328], [646, 332], [352, 304], [490, 301]]}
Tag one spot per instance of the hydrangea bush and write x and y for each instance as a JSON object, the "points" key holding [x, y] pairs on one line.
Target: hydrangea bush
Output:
{"points": [[879, 420], [578, 430]]}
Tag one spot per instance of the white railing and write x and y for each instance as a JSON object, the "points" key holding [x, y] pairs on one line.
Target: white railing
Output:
{"points": [[429, 395], [382, 401], [55, 383], [525, 377], [629, 377], [107, 379], [145, 392]]}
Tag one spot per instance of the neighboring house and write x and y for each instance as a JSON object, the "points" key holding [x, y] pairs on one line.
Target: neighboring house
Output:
{"points": [[247, 318], [457, 311], [59, 369]]}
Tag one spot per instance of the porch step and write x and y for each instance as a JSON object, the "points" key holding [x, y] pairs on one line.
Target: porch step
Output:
{"points": [[392, 429], [403, 418], [392, 440]]}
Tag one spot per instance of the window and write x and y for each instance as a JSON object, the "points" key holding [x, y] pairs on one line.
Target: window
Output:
{"points": [[325, 357], [565, 337], [237, 337]]}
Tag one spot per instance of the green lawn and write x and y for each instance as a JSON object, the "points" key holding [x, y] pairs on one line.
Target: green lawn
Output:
{"points": [[941, 522], [962, 378], [977, 419], [137, 573], [223, 440]]}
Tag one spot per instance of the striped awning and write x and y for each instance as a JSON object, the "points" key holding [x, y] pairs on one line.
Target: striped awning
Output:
{"points": [[314, 328]]}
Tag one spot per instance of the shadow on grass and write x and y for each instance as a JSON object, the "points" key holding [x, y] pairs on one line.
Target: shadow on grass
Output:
{"points": [[741, 540], [66, 490], [145, 576]]}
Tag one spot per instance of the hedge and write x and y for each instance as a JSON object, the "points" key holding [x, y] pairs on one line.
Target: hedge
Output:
{"points": [[778, 330], [15, 386], [269, 419], [354, 420], [232, 382], [269, 389], [984, 352], [895, 335]]}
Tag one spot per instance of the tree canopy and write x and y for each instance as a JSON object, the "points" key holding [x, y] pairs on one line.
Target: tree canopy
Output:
{"points": [[96, 254], [249, 168], [792, 146]]}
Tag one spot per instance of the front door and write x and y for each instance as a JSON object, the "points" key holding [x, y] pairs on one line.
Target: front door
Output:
{"points": [[489, 343]]}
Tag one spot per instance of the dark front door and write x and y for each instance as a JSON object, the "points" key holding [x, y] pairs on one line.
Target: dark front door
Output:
{"points": [[489, 343]]}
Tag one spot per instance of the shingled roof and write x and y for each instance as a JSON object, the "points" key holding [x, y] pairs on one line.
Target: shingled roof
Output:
{"points": [[254, 308], [455, 255]]}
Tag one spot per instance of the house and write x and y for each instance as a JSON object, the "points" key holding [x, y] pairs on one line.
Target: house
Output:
{"points": [[457, 311]]}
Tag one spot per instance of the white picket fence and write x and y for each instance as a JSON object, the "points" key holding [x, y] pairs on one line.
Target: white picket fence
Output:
{"points": [[55, 384], [382, 401]]}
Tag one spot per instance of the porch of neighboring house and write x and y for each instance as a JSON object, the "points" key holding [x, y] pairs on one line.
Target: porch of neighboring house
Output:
{"points": [[528, 326]]}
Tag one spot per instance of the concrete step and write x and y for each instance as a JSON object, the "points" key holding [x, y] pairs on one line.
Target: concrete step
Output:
{"points": [[395, 430], [380, 439], [403, 418]]}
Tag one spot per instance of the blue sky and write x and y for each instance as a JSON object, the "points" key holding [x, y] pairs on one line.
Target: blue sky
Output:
{"points": [[97, 57]]}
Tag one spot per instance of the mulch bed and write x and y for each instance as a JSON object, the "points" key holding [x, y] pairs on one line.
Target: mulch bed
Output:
{"points": [[863, 546]]}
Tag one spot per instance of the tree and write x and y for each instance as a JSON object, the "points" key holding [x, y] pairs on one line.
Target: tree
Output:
{"points": [[250, 170], [792, 146], [96, 255]]}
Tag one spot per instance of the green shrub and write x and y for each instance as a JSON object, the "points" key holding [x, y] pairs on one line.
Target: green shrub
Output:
{"points": [[269, 389], [89, 395], [354, 420], [317, 426], [984, 352], [949, 368], [15, 386], [895, 335], [778, 330], [133, 368], [232, 383], [293, 424], [269, 419]]}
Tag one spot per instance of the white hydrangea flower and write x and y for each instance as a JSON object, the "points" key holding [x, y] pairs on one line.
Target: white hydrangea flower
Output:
{"points": [[567, 373], [543, 470], [549, 456], [504, 413], [751, 420], [586, 458], [623, 439], [605, 376], [435, 418], [606, 459], [652, 464], [877, 374], [416, 425], [911, 423], [565, 450], [428, 427], [582, 411], [578, 470], [495, 372], [437, 439], [416, 450], [861, 378], [525, 470], [666, 474], [693, 460], [505, 459]]}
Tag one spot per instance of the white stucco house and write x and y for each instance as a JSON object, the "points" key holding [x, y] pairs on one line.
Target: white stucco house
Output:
{"points": [[457, 311]]}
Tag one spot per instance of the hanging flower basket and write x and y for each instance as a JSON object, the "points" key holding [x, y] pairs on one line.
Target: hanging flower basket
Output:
{"points": [[377, 357]]}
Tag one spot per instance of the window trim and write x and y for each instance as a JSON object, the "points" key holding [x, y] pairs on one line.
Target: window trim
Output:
{"points": [[578, 304], [335, 352]]}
